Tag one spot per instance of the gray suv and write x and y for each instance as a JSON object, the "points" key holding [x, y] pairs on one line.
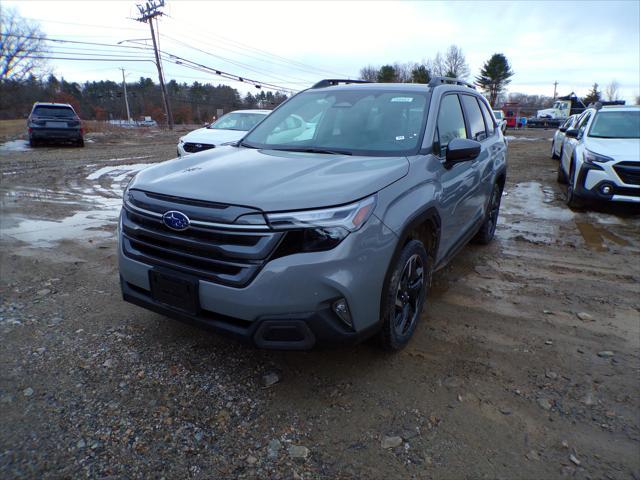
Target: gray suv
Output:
{"points": [[325, 223]]}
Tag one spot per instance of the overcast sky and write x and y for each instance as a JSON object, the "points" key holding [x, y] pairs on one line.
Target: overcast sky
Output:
{"points": [[293, 44]]}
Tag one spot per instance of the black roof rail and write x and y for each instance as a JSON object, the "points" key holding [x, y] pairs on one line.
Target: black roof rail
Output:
{"points": [[435, 81], [328, 82]]}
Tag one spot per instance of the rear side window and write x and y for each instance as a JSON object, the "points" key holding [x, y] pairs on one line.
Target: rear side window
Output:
{"points": [[62, 112], [474, 117], [488, 120], [450, 123]]}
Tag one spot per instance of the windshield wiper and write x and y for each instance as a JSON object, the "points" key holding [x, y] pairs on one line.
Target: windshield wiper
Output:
{"points": [[315, 150], [244, 144]]}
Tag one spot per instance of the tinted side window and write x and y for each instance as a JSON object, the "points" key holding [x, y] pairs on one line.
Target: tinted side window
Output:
{"points": [[450, 122], [488, 120], [474, 117]]}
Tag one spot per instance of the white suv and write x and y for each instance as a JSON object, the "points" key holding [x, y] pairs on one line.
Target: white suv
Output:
{"points": [[601, 156]]}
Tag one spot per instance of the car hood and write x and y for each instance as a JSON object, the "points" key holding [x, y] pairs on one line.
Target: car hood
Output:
{"points": [[271, 180], [213, 136], [616, 148]]}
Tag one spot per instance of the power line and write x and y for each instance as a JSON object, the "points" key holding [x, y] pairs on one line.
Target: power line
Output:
{"points": [[245, 46], [172, 58]]}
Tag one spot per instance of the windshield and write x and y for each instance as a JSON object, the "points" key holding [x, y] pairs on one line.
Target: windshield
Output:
{"points": [[498, 114], [62, 112], [237, 121], [616, 125], [365, 121]]}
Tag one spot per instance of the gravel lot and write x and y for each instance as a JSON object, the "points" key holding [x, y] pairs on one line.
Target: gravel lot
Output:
{"points": [[525, 364]]}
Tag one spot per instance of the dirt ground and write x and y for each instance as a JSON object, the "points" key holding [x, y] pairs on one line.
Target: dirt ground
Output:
{"points": [[525, 364]]}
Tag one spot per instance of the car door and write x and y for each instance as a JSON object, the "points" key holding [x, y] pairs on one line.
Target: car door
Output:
{"points": [[570, 143], [492, 154], [457, 180]]}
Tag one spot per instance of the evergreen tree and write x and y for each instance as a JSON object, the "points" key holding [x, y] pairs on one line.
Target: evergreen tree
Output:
{"points": [[420, 74], [494, 76], [593, 96], [387, 74]]}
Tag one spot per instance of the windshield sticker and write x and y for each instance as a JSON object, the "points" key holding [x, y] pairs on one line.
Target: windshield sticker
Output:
{"points": [[400, 137], [402, 99]]}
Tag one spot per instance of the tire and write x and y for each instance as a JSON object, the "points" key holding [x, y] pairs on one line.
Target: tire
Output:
{"points": [[80, 143], [33, 143], [488, 228], [561, 178], [571, 198], [404, 296], [554, 155]]}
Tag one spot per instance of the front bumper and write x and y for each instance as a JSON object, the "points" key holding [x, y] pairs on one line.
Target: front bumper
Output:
{"points": [[288, 304], [55, 134], [593, 178]]}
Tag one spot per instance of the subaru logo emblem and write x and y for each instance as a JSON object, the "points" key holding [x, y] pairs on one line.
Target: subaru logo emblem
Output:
{"points": [[176, 220]]}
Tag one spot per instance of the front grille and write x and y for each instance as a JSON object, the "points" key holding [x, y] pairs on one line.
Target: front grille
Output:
{"points": [[197, 147], [629, 172], [217, 253]]}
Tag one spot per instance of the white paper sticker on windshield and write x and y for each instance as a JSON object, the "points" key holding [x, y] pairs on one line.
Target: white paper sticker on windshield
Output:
{"points": [[402, 99], [401, 137]]}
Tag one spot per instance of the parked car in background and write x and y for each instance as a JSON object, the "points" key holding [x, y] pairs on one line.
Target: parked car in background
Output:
{"points": [[54, 122], [559, 136], [228, 128], [601, 156], [502, 121], [322, 233]]}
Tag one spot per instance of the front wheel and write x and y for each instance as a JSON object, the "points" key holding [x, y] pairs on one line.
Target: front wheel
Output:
{"points": [[488, 228], [561, 178], [572, 200], [405, 294]]}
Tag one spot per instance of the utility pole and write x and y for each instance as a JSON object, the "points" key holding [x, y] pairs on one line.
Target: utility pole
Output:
{"points": [[555, 86], [149, 11], [126, 101]]}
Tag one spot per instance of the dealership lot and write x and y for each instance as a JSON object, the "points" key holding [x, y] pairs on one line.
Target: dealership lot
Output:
{"points": [[524, 365]]}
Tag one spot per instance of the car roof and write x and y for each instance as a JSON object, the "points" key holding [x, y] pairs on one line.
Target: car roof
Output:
{"points": [[262, 112], [622, 108], [376, 86], [51, 104]]}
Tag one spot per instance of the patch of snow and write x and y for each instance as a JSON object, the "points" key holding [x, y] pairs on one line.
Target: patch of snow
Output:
{"points": [[118, 172]]}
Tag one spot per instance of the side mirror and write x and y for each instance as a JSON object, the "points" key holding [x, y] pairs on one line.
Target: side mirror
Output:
{"points": [[563, 129], [462, 149], [572, 132]]}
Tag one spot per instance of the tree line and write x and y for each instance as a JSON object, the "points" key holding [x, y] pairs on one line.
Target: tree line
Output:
{"points": [[104, 100], [493, 79]]}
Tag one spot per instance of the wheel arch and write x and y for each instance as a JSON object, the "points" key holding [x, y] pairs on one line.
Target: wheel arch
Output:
{"points": [[425, 226]]}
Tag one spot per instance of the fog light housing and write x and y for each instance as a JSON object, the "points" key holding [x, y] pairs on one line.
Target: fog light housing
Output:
{"points": [[606, 189], [341, 309]]}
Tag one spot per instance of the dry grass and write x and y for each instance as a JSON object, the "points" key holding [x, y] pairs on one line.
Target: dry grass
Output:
{"points": [[10, 129]]}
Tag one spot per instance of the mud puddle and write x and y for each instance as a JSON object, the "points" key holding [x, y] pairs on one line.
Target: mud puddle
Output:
{"points": [[95, 207]]}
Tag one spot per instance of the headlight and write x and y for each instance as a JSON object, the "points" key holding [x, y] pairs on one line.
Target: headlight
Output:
{"points": [[350, 217], [316, 230], [591, 157]]}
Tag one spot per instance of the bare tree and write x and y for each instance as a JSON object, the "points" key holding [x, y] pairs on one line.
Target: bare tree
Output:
{"points": [[437, 66], [22, 46], [369, 73], [455, 63], [612, 91]]}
